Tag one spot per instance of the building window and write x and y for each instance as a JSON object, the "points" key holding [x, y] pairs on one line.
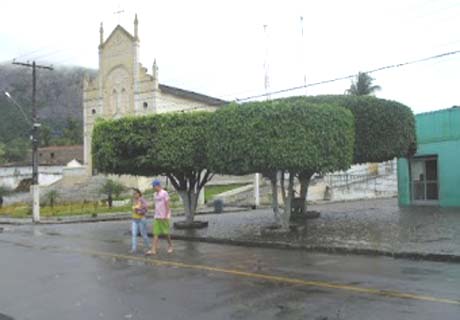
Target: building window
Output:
{"points": [[424, 179], [146, 105], [52, 155], [93, 111]]}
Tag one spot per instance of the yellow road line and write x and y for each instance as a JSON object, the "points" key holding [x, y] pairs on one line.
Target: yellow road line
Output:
{"points": [[273, 278]]}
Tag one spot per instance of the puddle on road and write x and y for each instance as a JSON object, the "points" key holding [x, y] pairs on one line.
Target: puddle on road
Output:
{"points": [[53, 233], [419, 271]]}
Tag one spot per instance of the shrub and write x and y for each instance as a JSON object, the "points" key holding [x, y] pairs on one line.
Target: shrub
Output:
{"points": [[51, 197], [112, 189]]}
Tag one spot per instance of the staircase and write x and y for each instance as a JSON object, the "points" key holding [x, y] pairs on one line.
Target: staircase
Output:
{"points": [[357, 183], [83, 188]]}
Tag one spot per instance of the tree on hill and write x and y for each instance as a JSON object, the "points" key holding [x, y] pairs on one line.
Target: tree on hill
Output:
{"points": [[59, 97], [2, 153], [46, 136], [72, 134], [17, 150]]}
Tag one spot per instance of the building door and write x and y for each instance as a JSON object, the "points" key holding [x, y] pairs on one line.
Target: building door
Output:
{"points": [[424, 181]]}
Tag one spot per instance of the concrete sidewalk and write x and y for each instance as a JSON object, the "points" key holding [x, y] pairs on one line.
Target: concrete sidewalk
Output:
{"points": [[101, 217], [377, 227]]}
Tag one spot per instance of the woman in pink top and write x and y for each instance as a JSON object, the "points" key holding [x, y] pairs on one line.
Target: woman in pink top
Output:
{"points": [[162, 218]]}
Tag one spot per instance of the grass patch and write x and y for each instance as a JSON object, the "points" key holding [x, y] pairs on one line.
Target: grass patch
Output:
{"points": [[211, 191], [23, 210]]}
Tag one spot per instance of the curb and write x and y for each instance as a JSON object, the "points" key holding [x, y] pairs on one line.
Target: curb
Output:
{"points": [[66, 220], [88, 219], [435, 257]]}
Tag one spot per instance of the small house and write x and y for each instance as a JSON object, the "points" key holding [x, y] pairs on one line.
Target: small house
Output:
{"points": [[432, 175]]}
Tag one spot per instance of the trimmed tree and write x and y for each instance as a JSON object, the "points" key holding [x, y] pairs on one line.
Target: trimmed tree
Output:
{"points": [[170, 144], [284, 135], [384, 129]]}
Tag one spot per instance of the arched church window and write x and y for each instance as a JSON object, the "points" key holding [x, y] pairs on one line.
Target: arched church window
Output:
{"points": [[146, 105], [93, 111]]}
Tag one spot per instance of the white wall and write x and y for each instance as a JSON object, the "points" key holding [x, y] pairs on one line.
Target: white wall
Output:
{"points": [[11, 176]]}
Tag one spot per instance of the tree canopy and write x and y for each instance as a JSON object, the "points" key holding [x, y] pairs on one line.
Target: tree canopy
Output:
{"points": [[285, 134], [384, 129]]}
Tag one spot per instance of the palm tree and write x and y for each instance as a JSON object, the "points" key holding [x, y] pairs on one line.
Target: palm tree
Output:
{"points": [[362, 85]]}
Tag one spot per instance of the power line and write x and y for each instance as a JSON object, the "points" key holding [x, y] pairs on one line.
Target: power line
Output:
{"points": [[46, 55], [22, 56], [392, 66]]}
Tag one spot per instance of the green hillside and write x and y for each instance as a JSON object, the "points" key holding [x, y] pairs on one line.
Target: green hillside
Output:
{"points": [[60, 108]]}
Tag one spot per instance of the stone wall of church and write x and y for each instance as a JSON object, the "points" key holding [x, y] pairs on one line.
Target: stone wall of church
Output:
{"points": [[170, 103]]}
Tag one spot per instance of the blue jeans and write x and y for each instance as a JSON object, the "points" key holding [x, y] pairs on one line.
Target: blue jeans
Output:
{"points": [[136, 226]]}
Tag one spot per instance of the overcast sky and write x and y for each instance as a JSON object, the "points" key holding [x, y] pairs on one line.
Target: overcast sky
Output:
{"points": [[219, 47]]}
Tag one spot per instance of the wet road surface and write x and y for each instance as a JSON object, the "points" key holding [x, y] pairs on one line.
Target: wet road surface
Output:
{"points": [[84, 272]]}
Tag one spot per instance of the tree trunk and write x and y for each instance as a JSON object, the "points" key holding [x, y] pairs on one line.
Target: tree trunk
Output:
{"points": [[287, 206], [304, 180], [190, 201], [184, 195], [189, 187], [275, 203], [193, 205], [110, 201], [283, 188]]}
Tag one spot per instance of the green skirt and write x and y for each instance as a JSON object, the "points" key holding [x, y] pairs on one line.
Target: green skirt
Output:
{"points": [[161, 227]]}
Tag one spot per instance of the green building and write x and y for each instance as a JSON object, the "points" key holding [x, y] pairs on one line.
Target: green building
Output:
{"points": [[432, 175]]}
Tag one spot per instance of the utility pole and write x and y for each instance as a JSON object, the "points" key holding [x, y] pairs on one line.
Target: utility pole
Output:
{"points": [[35, 139], [302, 53], [267, 87]]}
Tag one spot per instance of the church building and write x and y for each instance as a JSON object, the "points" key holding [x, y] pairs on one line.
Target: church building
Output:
{"points": [[123, 87]]}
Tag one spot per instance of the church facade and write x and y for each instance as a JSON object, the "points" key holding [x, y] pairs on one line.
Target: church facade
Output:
{"points": [[124, 87]]}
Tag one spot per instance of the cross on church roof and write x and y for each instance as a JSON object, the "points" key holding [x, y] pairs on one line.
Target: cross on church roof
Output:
{"points": [[119, 12]]}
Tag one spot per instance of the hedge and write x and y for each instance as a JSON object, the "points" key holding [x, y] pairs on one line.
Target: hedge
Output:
{"points": [[285, 134], [384, 129]]}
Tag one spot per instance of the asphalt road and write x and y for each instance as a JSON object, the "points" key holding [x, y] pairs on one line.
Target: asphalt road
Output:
{"points": [[85, 272]]}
